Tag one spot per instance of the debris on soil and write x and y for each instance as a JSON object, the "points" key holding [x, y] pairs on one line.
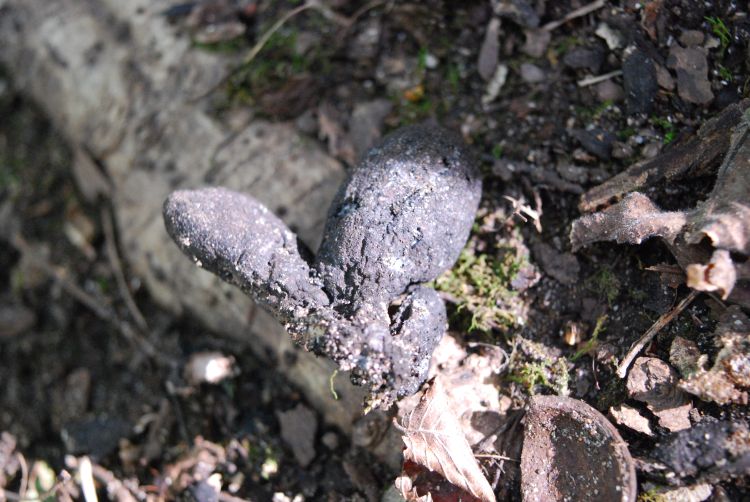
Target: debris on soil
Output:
{"points": [[401, 219], [728, 380], [630, 417], [692, 493], [685, 355], [710, 451], [298, 428], [572, 452], [724, 217], [15, 319], [692, 73], [434, 441], [654, 382]]}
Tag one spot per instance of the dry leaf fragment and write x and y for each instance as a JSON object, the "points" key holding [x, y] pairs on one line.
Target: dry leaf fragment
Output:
{"points": [[433, 439], [718, 274], [729, 378], [630, 221]]}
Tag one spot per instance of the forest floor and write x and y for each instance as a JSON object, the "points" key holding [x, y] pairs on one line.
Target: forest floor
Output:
{"points": [[520, 87]]}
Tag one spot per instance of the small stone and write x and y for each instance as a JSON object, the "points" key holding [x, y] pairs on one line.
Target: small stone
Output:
{"points": [[330, 440], [531, 73], [630, 417], [694, 493], [612, 37], [639, 77], [431, 62], [563, 267], [621, 150], [583, 58], [664, 78], [609, 91], [536, 42], [364, 45], [654, 382], [298, 428], [488, 53], [15, 319], [596, 141], [691, 38], [691, 66]]}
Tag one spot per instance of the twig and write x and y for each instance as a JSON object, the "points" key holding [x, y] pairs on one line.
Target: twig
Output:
{"points": [[87, 480], [24, 475], [495, 457], [584, 82], [116, 264], [263, 40], [586, 9], [666, 318], [102, 312]]}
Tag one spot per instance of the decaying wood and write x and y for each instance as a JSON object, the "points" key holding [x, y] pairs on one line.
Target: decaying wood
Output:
{"points": [[693, 155], [120, 83]]}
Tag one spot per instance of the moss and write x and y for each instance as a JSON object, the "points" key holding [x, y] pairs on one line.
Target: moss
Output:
{"points": [[604, 283], [667, 127], [546, 373], [479, 283], [651, 496], [589, 347], [721, 31]]}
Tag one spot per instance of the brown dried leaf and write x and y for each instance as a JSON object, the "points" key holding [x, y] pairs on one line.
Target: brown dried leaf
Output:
{"points": [[718, 275], [630, 221], [433, 438], [727, 381]]}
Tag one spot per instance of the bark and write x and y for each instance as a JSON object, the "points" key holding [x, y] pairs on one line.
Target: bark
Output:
{"points": [[124, 87]]}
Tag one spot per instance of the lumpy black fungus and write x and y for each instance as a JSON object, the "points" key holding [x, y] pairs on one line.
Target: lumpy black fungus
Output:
{"points": [[399, 220]]}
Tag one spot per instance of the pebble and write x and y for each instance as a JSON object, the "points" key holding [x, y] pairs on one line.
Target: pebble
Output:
{"points": [[609, 91], [532, 74], [690, 38], [639, 77], [664, 78], [584, 58], [536, 42], [596, 141], [691, 66], [612, 37]]}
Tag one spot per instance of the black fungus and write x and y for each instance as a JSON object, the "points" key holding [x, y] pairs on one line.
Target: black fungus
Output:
{"points": [[399, 220]]}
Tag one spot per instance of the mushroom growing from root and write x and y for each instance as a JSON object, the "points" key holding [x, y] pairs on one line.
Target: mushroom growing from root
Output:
{"points": [[398, 221]]}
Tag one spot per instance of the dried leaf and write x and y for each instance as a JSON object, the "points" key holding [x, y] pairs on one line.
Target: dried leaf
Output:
{"points": [[718, 275], [630, 221], [433, 438], [727, 381]]}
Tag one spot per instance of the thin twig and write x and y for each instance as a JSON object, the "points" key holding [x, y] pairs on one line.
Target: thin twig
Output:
{"points": [[116, 264], [495, 457], [104, 313], [86, 478], [638, 346], [586, 9], [584, 82], [263, 40], [24, 475]]}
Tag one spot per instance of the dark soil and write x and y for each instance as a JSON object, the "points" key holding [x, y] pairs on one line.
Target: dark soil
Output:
{"points": [[71, 383]]}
